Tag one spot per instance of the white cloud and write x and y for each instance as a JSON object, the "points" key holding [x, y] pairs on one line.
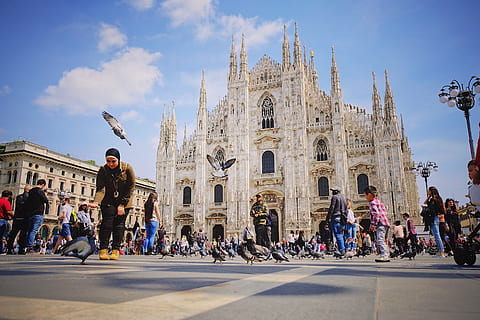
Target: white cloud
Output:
{"points": [[203, 16], [255, 34], [5, 90], [141, 5], [129, 115], [110, 37], [122, 81], [188, 11]]}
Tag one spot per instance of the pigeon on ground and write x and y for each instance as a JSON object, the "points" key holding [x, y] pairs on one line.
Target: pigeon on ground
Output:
{"points": [[318, 255], [217, 255], [116, 126], [220, 166], [349, 255], [279, 256], [245, 254], [263, 253], [408, 254], [79, 247], [164, 252]]}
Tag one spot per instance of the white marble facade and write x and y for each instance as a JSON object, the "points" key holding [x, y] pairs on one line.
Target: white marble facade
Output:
{"points": [[292, 142]]}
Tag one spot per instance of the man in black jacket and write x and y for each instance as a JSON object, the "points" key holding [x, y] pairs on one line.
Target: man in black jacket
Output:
{"points": [[20, 223], [337, 214], [36, 206]]}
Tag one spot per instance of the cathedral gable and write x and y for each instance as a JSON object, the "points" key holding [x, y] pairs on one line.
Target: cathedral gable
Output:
{"points": [[266, 73]]}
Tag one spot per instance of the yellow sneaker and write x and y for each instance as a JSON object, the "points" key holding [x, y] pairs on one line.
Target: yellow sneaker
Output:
{"points": [[115, 254], [103, 254]]}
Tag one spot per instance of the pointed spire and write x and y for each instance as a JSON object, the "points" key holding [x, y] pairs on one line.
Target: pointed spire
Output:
{"points": [[376, 102], [390, 112], [243, 60], [297, 50], [233, 62], [185, 134], [313, 70], [285, 50], [203, 93], [403, 135], [335, 78]]}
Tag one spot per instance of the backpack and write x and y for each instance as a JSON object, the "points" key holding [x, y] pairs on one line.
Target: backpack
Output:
{"points": [[73, 218]]}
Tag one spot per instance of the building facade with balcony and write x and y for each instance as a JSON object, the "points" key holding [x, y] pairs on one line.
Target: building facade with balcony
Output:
{"points": [[24, 162], [292, 142]]}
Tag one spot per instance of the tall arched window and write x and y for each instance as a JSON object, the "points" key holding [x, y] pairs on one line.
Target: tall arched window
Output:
{"points": [[35, 178], [321, 151], [187, 195], [267, 113], [9, 180], [218, 193], [362, 182], [29, 178], [323, 187], [15, 174], [268, 162]]}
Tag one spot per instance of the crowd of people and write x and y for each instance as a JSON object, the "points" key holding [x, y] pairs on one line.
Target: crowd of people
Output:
{"points": [[340, 234]]}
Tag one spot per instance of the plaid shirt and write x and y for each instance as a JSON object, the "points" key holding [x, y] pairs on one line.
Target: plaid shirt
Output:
{"points": [[378, 213]]}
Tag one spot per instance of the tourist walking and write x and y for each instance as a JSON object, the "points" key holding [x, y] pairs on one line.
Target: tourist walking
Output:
{"points": [[114, 190], [410, 232], [337, 217], [36, 206], [6, 213], [152, 217], [453, 222], [20, 224], [378, 221], [65, 233], [435, 206]]}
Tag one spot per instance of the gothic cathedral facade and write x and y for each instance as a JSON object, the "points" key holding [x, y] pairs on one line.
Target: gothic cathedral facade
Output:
{"points": [[292, 142]]}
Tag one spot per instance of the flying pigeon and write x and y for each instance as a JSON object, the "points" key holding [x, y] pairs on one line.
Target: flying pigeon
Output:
{"points": [[116, 126], [279, 256], [79, 247], [220, 167]]}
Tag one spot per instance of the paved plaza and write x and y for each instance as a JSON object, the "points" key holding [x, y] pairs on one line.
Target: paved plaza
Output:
{"points": [[145, 287]]}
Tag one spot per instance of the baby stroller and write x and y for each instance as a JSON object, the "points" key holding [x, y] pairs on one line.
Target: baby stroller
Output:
{"points": [[465, 253]]}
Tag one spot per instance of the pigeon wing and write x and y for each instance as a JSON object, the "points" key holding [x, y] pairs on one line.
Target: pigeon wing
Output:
{"points": [[213, 162], [228, 164], [111, 120]]}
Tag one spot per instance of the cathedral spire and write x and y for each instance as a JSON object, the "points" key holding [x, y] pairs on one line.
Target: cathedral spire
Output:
{"points": [[390, 112], [233, 62], [285, 50], [376, 102], [313, 70], [297, 50], [243, 60], [335, 78], [202, 103], [185, 134]]}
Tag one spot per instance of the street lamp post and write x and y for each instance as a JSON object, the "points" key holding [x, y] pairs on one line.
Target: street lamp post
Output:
{"points": [[425, 169], [464, 99]]}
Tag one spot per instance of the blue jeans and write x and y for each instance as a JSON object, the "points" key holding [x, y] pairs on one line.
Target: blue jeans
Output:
{"points": [[3, 232], [351, 232], [35, 223], [434, 227], [151, 229], [338, 232]]}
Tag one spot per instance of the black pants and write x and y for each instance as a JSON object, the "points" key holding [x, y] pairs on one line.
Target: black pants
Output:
{"points": [[413, 242], [261, 234], [112, 224], [22, 226]]}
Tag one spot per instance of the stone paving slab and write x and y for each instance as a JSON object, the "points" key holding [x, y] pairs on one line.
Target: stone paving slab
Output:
{"points": [[137, 287]]}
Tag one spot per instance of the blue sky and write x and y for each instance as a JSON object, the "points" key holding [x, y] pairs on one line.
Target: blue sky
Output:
{"points": [[63, 62]]}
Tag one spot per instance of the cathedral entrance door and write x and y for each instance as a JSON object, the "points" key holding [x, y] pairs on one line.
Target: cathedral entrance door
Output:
{"points": [[275, 232], [218, 230], [186, 230]]}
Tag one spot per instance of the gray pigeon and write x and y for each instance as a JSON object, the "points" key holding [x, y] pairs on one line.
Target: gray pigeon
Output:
{"points": [[217, 255], [318, 255], [279, 256], [116, 126], [245, 254], [220, 167], [79, 247]]}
